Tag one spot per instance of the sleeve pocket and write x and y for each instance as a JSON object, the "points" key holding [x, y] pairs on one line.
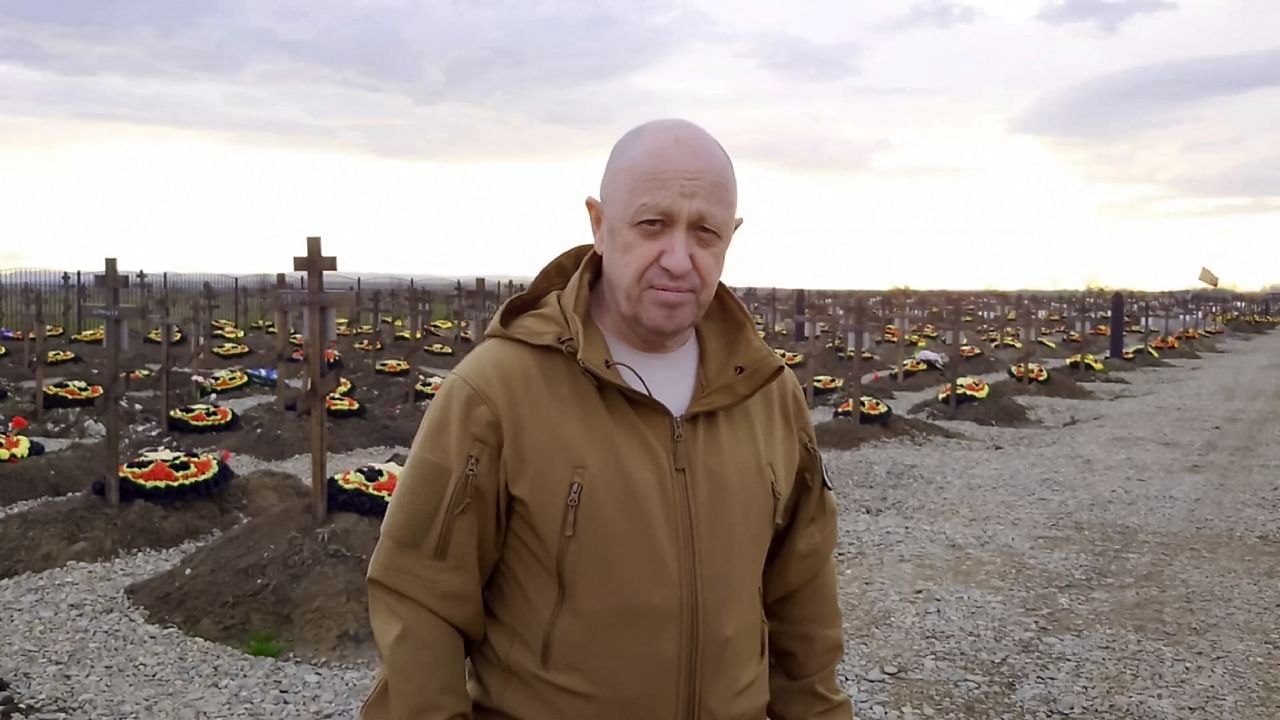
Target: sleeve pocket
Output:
{"points": [[418, 502]]}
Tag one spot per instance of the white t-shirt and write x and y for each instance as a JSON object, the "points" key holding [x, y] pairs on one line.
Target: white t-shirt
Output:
{"points": [[668, 377]]}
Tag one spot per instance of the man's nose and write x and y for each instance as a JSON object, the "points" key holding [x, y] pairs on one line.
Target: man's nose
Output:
{"points": [[676, 258]]}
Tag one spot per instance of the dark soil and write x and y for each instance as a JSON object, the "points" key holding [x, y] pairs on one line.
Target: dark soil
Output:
{"points": [[997, 410], [85, 529], [52, 474], [1238, 326], [1141, 359], [1203, 344], [1184, 351], [1060, 385], [844, 433], [980, 365], [910, 383], [271, 434], [1090, 376], [283, 574]]}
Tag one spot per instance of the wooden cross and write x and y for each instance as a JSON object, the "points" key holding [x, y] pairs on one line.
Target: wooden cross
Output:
{"points": [[953, 372], [34, 316], [317, 301], [197, 338], [280, 308], [855, 354], [66, 303], [904, 329], [374, 307], [116, 317], [1117, 326], [160, 312], [28, 328], [457, 312]]}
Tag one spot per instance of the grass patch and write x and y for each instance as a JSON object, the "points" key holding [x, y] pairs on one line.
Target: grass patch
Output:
{"points": [[263, 643]]}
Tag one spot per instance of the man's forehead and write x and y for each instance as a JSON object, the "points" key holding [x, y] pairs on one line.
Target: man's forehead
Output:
{"points": [[657, 183], [664, 149]]}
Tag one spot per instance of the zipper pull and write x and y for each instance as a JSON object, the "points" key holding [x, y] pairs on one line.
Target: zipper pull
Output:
{"points": [[571, 517], [678, 453], [468, 479]]}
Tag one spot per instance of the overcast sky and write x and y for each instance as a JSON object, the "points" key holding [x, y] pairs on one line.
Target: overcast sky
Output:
{"points": [[996, 143]]}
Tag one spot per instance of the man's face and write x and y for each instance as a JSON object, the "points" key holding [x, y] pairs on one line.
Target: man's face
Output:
{"points": [[663, 234]]}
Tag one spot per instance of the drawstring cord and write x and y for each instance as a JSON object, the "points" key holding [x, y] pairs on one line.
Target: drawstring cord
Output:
{"points": [[609, 365]]}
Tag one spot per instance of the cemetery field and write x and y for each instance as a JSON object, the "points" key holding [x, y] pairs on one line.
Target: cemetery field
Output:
{"points": [[1077, 535]]}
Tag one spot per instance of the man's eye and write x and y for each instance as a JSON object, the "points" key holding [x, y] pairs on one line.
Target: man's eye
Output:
{"points": [[652, 222]]}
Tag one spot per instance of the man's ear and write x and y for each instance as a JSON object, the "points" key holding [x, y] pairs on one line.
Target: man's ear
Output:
{"points": [[595, 212], [737, 224]]}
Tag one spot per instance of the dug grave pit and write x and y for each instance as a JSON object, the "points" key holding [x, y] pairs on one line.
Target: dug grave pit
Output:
{"points": [[84, 528], [284, 575]]}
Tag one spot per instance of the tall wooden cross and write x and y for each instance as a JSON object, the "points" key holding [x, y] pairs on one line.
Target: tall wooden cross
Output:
{"points": [[160, 312], [116, 317], [376, 299], [36, 329], [317, 301], [279, 304]]}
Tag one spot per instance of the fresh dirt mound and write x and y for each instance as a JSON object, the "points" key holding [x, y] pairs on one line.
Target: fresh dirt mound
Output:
{"points": [[1203, 344], [282, 574], [85, 529], [1238, 326], [1060, 385], [910, 383], [997, 410], [268, 433], [980, 365], [1140, 360], [52, 474], [845, 433], [1089, 376]]}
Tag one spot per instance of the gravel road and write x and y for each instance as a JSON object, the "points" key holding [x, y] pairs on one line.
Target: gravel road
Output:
{"points": [[1123, 561]]}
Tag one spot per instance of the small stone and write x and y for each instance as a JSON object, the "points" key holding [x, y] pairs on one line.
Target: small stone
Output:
{"points": [[890, 670], [874, 676]]}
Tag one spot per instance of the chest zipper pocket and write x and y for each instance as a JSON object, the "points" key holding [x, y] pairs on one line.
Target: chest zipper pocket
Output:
{"points": [[568, 527], [459, 500]]}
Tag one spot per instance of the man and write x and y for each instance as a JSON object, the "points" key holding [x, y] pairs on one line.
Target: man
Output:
{"points": [[614, 507]]}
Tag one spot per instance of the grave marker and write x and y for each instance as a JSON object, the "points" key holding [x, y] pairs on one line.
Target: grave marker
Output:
{"points": [[319, 304], [115, 320]]}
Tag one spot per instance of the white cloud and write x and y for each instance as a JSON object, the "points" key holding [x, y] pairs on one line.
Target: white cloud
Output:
{"points": [[462, 137], [1108, 15]]}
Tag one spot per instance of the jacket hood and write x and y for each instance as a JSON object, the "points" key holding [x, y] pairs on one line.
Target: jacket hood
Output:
{"points": [[554, 313]]}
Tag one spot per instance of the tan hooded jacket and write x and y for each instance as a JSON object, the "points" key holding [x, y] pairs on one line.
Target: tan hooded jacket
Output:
{"points": [[592, 555]]}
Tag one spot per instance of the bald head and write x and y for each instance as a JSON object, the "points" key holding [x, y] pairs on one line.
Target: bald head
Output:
{"points": [[665, 141], [664, 220]]}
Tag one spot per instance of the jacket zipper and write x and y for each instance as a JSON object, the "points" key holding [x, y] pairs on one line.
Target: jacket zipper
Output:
{"points": [[459, 499], [689, 697], [567, 529]]}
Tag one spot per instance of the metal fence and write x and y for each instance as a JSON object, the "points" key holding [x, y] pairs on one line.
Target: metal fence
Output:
{"points": [[67, 297]]}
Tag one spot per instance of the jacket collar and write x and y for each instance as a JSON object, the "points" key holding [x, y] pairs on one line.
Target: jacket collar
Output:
{"points": [[734, 363]]}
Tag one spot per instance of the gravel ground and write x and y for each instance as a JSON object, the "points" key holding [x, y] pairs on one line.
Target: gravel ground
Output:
{"points": [[1124, 566], [1122, 562]]}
